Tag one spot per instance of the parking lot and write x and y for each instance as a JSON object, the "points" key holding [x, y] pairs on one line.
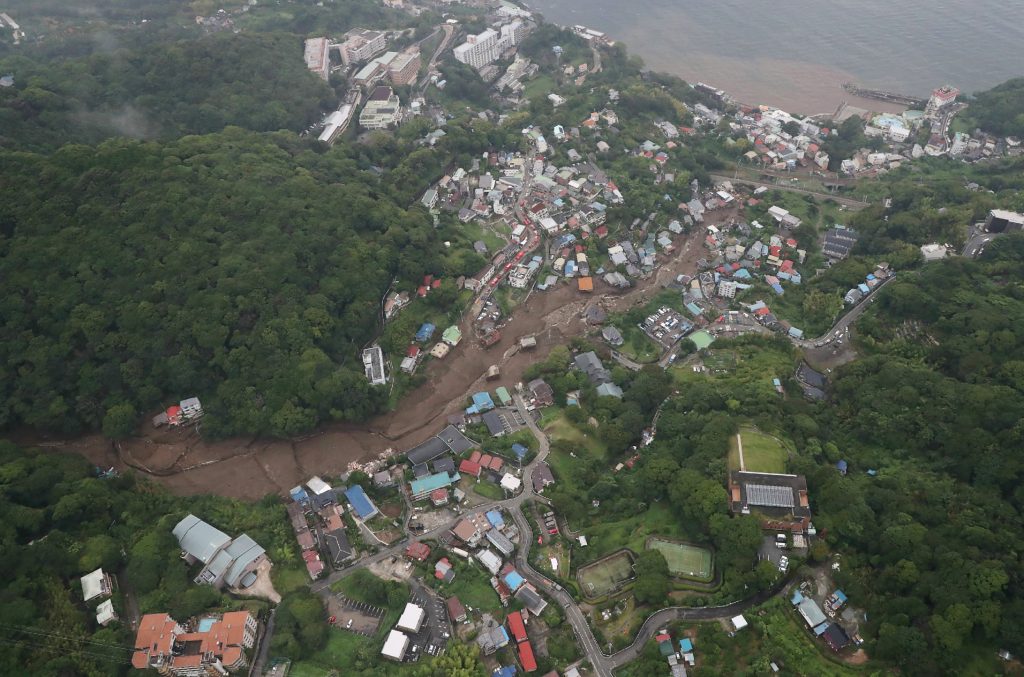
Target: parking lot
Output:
{"points": [[435, 633], [357, 617], [666, 326]]}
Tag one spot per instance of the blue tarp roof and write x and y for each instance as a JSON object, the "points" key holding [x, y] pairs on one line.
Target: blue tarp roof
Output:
{"points": [[519, 450], [495, 518], [361, 503], [504, 671], [513, 580], [840, 595], [863, 288], [686, 645], [425, 332], [842, 466], [299, 495]]}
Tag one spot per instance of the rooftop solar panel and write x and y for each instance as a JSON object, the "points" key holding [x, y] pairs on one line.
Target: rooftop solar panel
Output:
{"points": [[774, 497]]}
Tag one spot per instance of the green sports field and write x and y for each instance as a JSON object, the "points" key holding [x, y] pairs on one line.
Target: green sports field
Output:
{"points": [[684, 561], [605, 575]]}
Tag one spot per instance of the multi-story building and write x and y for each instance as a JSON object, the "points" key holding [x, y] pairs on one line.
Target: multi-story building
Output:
{"points": [[362, 45], [382, 110], [479, 50], [215, 646], [511, 35], [317, 56], [940, 98], [404, 68]]}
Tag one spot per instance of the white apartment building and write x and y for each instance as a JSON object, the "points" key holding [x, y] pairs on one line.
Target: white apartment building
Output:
{"points": [[479, 50], [362, 45], [511, 35]]}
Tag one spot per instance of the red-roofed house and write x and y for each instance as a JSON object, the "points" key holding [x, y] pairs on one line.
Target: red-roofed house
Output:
{"points": [[662, 638], [422, 291], [456, 611], [413, 351], [435, 284], [475, 456], [761, 312], [496, 463], [439, 496], [516, 626], [470, 468], [526, 658], [418, 551], [174, 414], [601, 231], [774, 250], [485, 461]]}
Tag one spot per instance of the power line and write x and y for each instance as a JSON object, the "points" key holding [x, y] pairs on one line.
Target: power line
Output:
{"points": [[63, 652], [53, 635]]}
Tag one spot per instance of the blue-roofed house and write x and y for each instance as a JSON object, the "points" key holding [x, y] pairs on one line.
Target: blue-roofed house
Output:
{"points": [[796, 598], [820, 630], [863, 288], [694, 308], [495, 518], [299, 495], [685, 645], [360, 502], [504, 671], [519, 450], [513, 580], [426, 332], [482, 402]]}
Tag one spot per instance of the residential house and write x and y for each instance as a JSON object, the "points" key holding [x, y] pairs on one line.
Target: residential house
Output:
{"points": [[360, 502], [96, 585], [338, 547], [590, 364], [542, 477], [456, 611]]}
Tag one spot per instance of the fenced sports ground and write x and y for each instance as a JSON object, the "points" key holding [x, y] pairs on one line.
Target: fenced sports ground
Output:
{"points": [[606, 574], [684, 560]]}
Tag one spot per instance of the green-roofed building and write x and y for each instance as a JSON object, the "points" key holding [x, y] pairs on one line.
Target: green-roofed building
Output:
{"points": [[702, 339], [421, 488], [503, 396], [452, 336]]}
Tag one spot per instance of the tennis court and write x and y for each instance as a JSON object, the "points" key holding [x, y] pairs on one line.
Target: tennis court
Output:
{"points": [[606, 575], [684, 560]]}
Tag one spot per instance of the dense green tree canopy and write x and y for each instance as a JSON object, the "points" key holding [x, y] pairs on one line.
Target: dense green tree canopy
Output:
{"points": [[245, 269], [256, 81]]}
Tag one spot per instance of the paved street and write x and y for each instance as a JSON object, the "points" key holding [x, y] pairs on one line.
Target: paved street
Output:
{"points": [[603, 665]]}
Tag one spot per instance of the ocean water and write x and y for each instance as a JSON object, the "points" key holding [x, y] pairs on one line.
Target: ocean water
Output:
{"points": [[795, 54]]}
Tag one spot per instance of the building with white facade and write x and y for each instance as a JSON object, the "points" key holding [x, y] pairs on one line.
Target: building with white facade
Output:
{"points": [[479, 50], [382, 110], [362, 45], [940, 98]]}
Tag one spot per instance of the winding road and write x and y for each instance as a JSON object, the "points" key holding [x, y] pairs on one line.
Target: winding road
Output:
{"points": [[602, 664]]}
